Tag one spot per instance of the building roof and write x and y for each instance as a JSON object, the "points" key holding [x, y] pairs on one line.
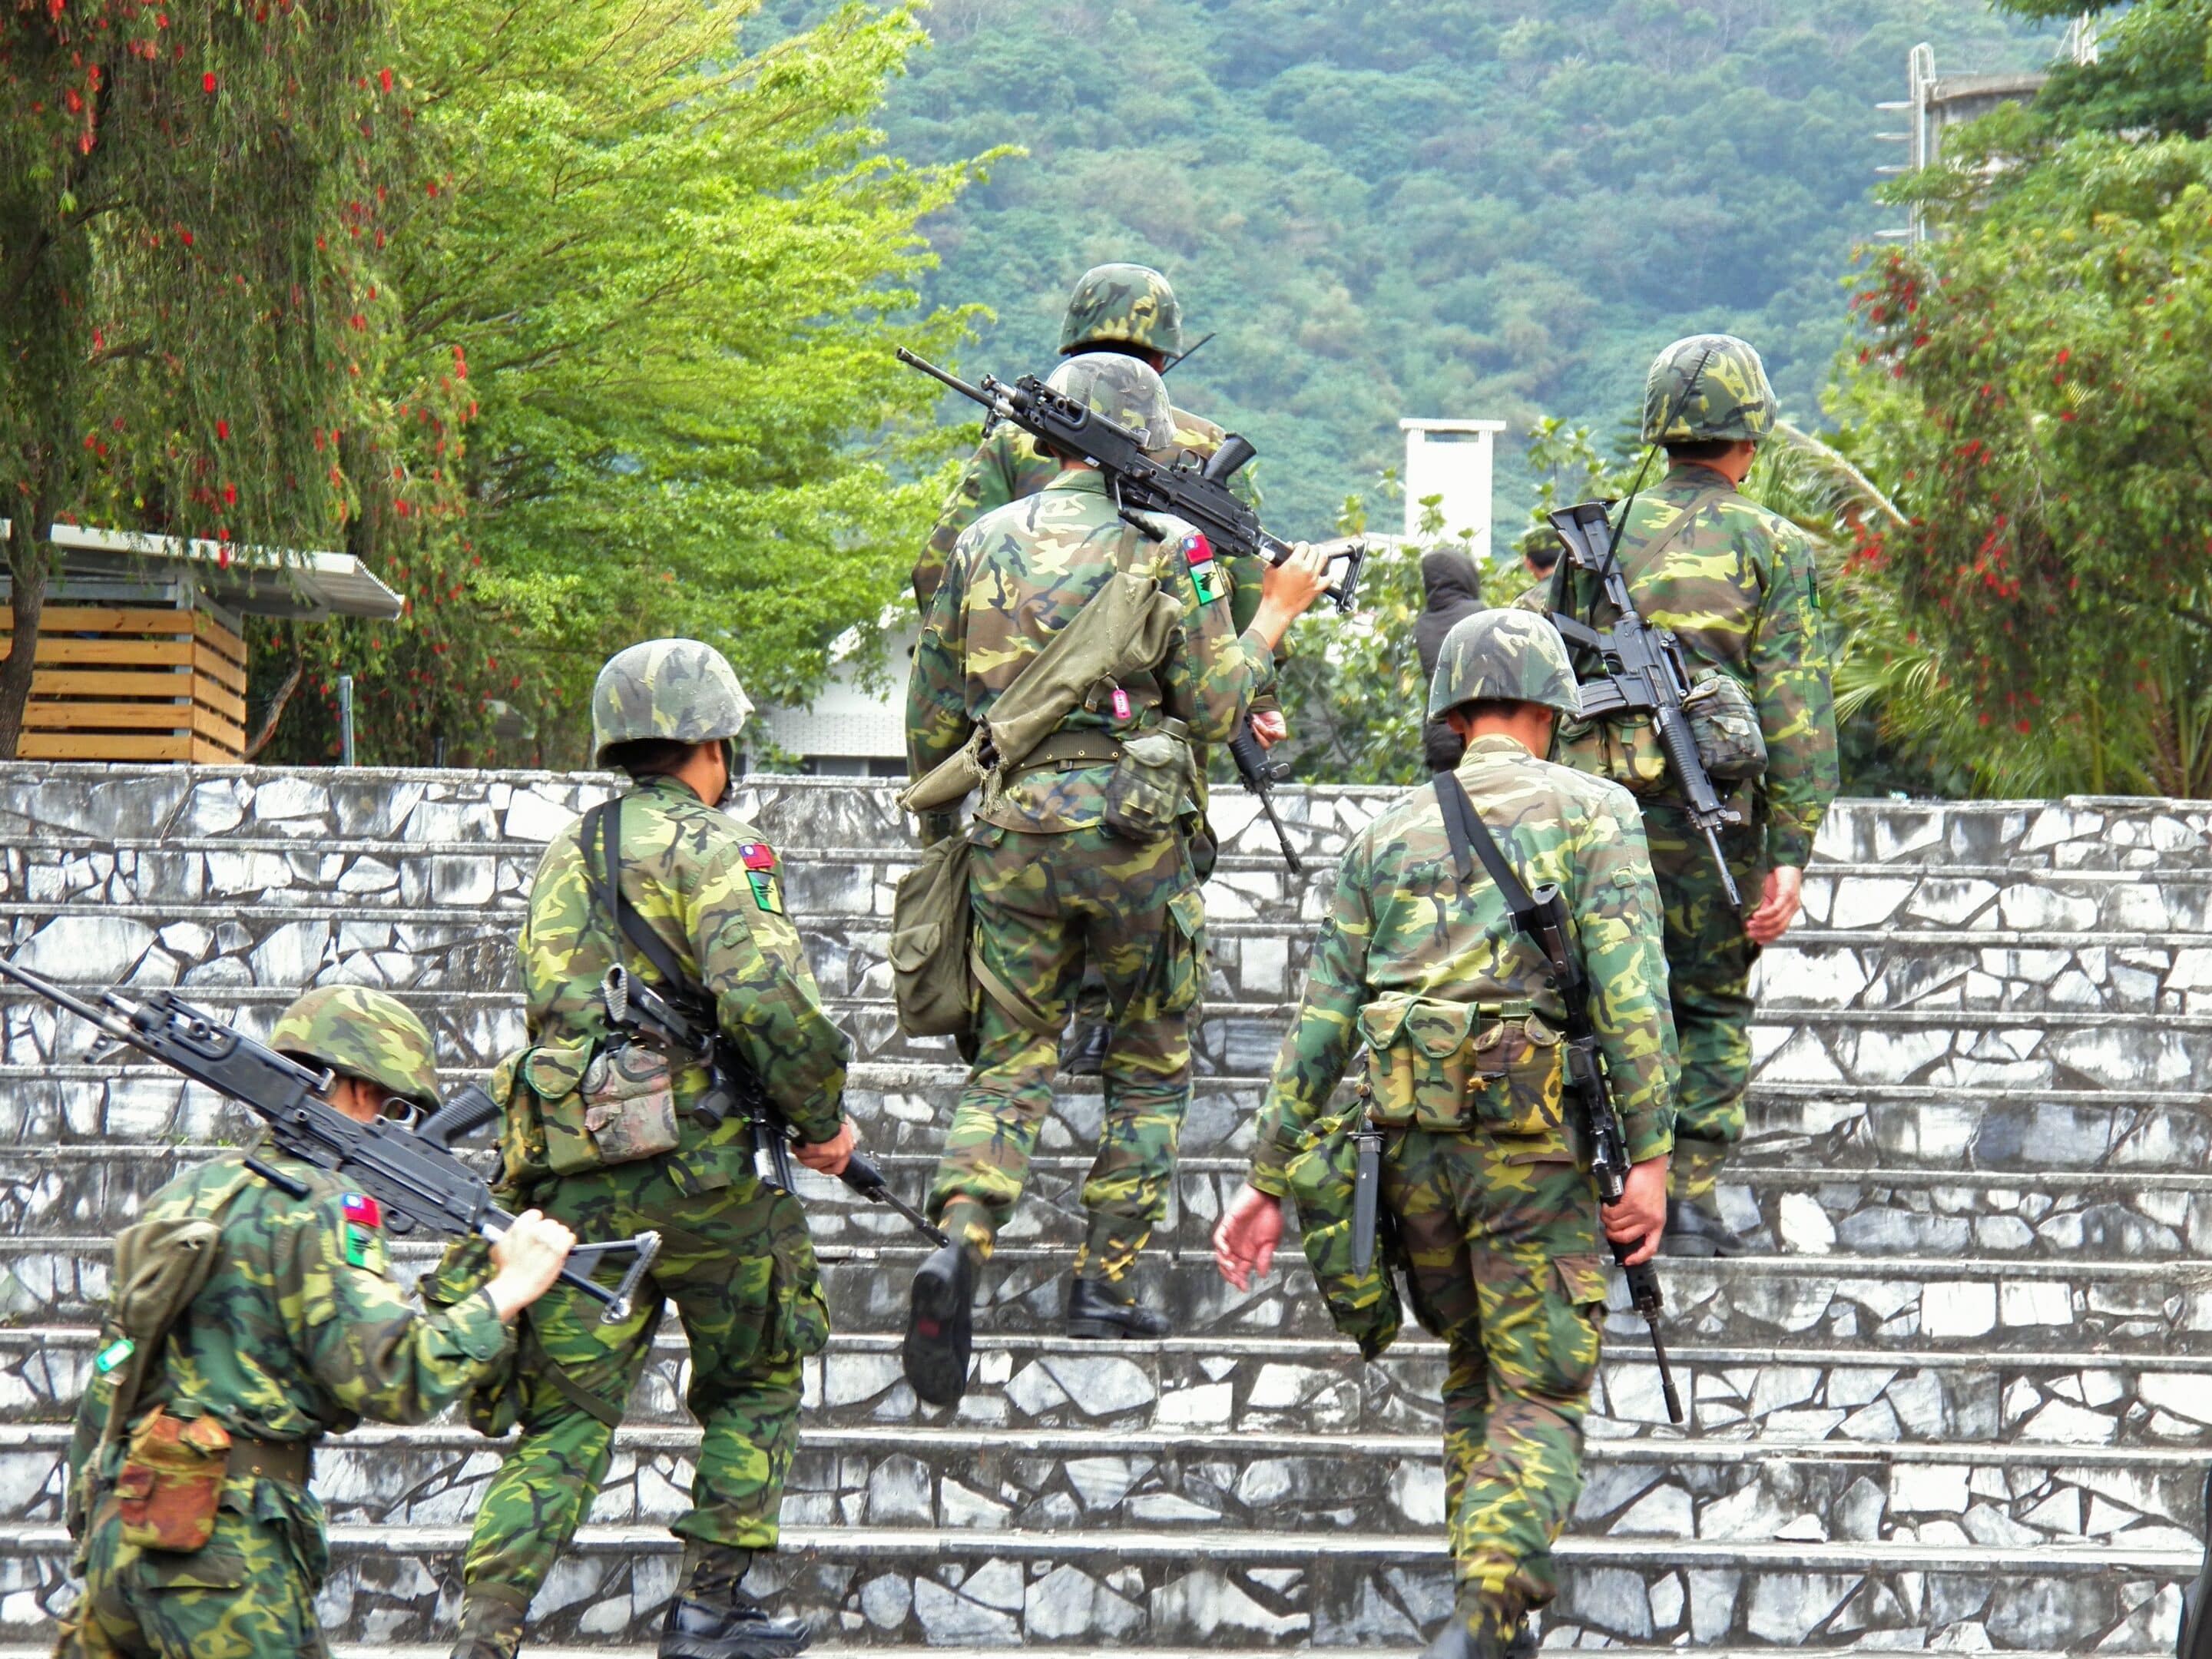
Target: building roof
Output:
{"points": [[257, 581]]}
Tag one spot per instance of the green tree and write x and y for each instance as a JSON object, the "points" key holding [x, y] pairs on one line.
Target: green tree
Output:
{"points": [[191, 200], [671, 271]]}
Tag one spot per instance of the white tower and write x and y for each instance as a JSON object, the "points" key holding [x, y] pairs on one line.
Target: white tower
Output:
{"points": [[1451, 460]]}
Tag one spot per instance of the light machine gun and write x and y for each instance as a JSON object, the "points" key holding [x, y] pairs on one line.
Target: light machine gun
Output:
{"points": [[412, 1174], [1135, 481]]}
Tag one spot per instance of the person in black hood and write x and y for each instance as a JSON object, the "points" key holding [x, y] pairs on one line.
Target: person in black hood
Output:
{"points": [[1452, 591]]}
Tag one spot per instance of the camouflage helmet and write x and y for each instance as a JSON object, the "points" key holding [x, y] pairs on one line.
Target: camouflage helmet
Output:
{"points": [[1514, 655], [1123, 390], [678, 690], [1731, 398], [358, 1032], [1122, 305]]}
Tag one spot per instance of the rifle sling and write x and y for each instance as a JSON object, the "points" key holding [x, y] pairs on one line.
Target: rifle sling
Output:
{"points": [[1467, 834], [603, 823], [1651, 550]]}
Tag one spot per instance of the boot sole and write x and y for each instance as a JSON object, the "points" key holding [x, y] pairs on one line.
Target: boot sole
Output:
{"points": [[692, 1647], [936, 1362]]}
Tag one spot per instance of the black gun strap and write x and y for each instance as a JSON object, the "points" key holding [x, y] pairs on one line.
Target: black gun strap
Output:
{"points": [[603, 824], [1651, 549], [1467, 834]]}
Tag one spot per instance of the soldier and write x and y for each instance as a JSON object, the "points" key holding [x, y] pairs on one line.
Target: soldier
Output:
{"points": [[1737, 587], [1132, 310], [1497, 1225], [1451, 592], [197, 1531], [1052, 886], [615, 1148]]}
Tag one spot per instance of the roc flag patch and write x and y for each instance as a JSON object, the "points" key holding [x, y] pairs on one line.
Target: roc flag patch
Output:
{"points": [[1204, 575], [363, 1216], [759, 859], [114, 1354]]}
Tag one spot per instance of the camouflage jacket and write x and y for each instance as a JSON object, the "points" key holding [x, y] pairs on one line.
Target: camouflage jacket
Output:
{"points": [[300, 1329], [712, 889], [1017, 577], [1738, 589], [1400, 921], [1007, 466]]}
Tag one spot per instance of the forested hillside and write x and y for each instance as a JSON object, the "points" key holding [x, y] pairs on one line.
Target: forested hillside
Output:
{"points": [[1444, 207]]}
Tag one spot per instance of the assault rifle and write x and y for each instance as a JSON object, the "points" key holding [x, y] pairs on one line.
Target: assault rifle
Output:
{"points": [[733, 1085], [1261, 775], [411, 1172], [1542, 916], [1200, 496], [1644, 673]]}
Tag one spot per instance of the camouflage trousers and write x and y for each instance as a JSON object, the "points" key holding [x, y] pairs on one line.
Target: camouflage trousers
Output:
{"points": [[1504, 1264], [1708, 958], [738, 1263], [1044, 905], [248, 1593]]}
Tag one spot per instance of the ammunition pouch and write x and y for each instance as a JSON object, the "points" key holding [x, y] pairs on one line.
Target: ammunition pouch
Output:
{"points": [[1725, 724], [1322, 1174], [1494, 1068], [1150, 784]]}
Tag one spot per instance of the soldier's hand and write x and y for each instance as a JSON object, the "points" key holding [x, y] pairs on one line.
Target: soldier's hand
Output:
{"points": [[828, 1156], [528, 1255], [1269, 726], [1778, 906], [1640, 1218], [1244, 1243], [1288, 590]]}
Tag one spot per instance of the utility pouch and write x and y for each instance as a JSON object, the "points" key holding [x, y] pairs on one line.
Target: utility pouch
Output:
{"points": [[1150, 783], [548, 1084], [1462, 1067], [1725, 725], [931, 984], [1323, 1178], [171, 1480], [629, 1097]]}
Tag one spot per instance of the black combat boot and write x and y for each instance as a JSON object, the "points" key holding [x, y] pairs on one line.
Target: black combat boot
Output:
{"points": [[1085, 1054], [714, 1618], [1099, 1312], [940, 1326], [1483, 1629], [2196, 1640], [1694, 1230]]}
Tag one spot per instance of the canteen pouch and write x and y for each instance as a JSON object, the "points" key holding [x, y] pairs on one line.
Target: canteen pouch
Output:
{"points": [[1624, 749], [1459, 1067], [931, 984], [1150, 782], [549, 1084], [1320, 1175], [1725, 724], [171, 1480]]}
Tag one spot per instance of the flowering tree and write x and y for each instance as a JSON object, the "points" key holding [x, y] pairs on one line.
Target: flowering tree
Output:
{"points": [[192, 202]]}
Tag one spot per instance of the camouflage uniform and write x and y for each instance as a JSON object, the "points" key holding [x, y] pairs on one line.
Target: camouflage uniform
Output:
{"points": [[1498, 1225], [299, 1332], [1737, 587], [1050, 885], [736, 1257]]}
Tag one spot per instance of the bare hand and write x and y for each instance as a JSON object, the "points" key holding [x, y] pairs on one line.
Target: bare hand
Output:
{"points": [[529, 1256], [1270, 727], [1642, 1212], [1785, 889], [1288, 590], [828, 1156], [1244, 1243]]}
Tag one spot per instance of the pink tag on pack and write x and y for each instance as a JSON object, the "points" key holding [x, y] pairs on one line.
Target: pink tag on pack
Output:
{"points": [[1121, 704]]}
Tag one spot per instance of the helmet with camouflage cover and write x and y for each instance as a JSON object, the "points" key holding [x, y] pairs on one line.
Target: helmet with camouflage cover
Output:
{"points": [[678, 690], [358, 1032], [1123, 390], [1729, 397], [1122, 305], [1516, 656]]}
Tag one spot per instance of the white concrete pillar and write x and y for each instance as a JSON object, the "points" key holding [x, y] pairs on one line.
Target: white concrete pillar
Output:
{"points": [[1452, 460]]}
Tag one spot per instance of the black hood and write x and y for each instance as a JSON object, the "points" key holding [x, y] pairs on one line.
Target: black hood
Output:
{"points": [[1453, 592]]}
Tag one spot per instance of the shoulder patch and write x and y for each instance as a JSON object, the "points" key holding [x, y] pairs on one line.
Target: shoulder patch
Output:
{"points": [[757, 855], [759, 860], [1204, 574], [363, 1211]]}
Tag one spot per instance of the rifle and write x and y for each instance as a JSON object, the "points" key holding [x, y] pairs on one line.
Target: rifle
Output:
{"points": [[412, 1174], [1261, 775], [1542, 916], [733, 1085], [1200, 496], [1181, 358]]}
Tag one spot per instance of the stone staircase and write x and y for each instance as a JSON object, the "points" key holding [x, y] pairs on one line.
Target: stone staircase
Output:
{"points": [[1963, 1402]]}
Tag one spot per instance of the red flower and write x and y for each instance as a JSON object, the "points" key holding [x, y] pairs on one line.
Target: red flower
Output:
{"points": [[230, 495], [383, 79], [207, 81], [222, 429]]}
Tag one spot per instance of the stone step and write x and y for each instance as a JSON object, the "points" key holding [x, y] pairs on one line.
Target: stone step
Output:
{"points": [[1089, 1480], [1344, 1588], [1789, 1392], [1886, 1303], [96, 1190], [834, 1650]]}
